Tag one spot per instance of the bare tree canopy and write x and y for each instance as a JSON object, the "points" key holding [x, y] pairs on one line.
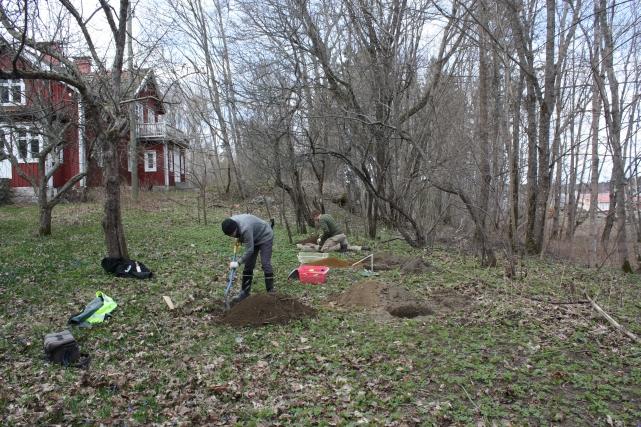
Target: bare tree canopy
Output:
{"points": [[512, 121]]}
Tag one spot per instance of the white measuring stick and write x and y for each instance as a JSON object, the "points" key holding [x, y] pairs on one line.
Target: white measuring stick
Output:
{"points": [[371, 256]]}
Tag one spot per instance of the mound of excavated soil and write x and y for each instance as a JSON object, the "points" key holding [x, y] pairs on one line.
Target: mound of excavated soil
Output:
{"points": [[387, 261], [266, 309], [398, 301], [331, 262], [374, 294], [415, 266], [407, 265]]}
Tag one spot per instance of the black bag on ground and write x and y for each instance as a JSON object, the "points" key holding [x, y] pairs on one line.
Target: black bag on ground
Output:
{"points": [[62, 348], [122, 267]]}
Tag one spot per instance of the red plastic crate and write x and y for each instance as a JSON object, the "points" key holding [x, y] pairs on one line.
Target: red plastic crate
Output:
{"points": [[314, 274]]}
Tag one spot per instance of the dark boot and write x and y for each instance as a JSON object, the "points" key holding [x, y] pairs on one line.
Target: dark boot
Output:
{"points": [[343, 247], [238, 298], [245, 289], [247, 283], [269, 283]]}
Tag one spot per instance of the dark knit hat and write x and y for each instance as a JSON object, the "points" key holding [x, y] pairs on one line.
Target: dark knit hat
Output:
{"points": [[229, 226]]}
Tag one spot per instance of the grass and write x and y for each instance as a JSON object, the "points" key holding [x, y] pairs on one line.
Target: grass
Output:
{"points": [[500, 354]]}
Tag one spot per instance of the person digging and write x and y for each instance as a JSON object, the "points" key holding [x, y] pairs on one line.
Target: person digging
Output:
{"points": [[331, 237], [257, 237]]}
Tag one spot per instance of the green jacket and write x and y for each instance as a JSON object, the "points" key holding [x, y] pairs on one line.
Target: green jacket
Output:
{"points": [[328, 227]]}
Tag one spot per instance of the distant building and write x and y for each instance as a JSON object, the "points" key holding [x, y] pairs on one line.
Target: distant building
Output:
{"points": [[603, 201], [162, 147]]}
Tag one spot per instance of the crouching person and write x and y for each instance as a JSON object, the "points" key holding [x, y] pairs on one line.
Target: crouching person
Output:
{"points": [[257, 237], [331, 238]]}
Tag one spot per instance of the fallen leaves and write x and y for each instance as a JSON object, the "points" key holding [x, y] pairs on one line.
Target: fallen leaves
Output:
{"points": [[151, 365]]}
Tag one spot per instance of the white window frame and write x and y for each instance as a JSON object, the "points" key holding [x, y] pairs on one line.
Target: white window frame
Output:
{"points": [[155, 157], [31, 135], [5, 165], [10, 85], [30, 139]]}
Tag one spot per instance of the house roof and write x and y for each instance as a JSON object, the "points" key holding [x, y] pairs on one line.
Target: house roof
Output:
{"points": [[138, 81], [133, 83]]}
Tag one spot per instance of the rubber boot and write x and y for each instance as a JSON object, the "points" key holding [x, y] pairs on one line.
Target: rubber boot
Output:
{"points": [[238, 298], [343, 247], [245, 289], [269, 283]]}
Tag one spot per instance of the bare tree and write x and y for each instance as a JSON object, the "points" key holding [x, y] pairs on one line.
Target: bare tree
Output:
{"points": [[200, 26], [612, 112], [101, 94], [43, 141]]}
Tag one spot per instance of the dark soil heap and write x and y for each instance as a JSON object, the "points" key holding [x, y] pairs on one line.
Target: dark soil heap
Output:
{"points": [[415, 266], [407, 265], [266, 309], [387, 261], [397, 300]]}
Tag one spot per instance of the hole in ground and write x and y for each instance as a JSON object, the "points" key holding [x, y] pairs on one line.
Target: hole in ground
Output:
{"points": [[409, 311]]}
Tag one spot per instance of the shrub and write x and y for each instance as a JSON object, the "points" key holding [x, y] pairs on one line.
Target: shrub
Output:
{"points": [[6, 193]]}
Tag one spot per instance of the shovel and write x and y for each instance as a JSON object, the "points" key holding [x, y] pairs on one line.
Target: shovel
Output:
{"points": [[231, 277]]}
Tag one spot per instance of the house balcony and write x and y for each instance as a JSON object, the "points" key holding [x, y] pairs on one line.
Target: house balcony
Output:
{"points": [[160, 132]]}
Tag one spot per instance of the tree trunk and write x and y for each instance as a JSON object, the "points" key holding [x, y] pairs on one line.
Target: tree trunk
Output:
{"points": [[371, 215], [545, 114], [44, 228], [611, 215], [112, 221], [559, 131], [45, 221], [571, 206], [133, 143], [486, 252], [596, 113], [514, 161], [612, 109], [532, 185]]}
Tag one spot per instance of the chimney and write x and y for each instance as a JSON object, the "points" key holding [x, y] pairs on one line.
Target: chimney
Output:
{"points": [[83, 63]]}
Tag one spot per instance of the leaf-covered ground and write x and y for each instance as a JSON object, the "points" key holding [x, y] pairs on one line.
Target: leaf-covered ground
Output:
{"points": [[495, 351]]}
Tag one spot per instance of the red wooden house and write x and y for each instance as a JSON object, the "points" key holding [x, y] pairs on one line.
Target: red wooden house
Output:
{"points": [[24, 104]]}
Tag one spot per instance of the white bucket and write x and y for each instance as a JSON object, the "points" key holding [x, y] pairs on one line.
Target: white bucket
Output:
{"points": [[307, 257]]}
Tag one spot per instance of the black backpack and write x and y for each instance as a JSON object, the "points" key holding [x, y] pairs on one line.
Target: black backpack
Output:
{"points": [[123, 267], [61, 347]]}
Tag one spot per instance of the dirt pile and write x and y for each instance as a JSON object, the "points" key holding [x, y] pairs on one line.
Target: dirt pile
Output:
{"points": [[266, 309], [332, 262], [415, 266], [387, 261], [397, 300], [408, 265]]}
